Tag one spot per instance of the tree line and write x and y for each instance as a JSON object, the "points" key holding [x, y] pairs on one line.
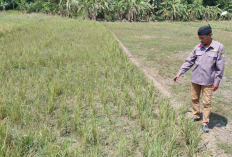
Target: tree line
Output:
{"points": [[127, 10]]}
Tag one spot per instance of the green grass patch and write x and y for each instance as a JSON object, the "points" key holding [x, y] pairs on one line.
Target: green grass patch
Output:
{"points": [[14, 12]]}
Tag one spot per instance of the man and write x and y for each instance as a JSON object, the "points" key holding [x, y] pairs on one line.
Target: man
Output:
{"points": [[207, 73]]}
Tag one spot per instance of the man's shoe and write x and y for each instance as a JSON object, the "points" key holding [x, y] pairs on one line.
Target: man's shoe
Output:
{"points": [[194, 120], [205, 128]]}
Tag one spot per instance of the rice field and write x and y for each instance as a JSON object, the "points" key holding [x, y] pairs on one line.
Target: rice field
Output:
{"points": [[165, 46], [67, 89]]}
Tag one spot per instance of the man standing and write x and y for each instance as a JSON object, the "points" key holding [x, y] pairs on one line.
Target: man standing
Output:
{"points": [[207, 73]]}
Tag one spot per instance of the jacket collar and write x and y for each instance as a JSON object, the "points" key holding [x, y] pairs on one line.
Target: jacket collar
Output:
{"points": [[213, 44]]}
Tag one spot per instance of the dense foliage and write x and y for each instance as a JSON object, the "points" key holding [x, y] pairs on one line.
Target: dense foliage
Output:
{"points": [[130, 10]]}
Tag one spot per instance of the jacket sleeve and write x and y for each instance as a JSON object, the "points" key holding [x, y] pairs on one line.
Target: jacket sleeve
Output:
{"points": [[220, 65], [189, 62]]}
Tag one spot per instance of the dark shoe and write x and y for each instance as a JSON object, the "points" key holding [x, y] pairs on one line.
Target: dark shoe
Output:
{"points": [[194, 120], [205, 128]]}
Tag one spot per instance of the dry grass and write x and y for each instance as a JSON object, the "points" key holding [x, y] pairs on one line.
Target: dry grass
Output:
{"points": [[67, 89], [165, 46]]}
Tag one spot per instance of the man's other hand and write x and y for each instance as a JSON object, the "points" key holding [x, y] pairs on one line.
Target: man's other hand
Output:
{"points": [[215, 87], [175, 79]]}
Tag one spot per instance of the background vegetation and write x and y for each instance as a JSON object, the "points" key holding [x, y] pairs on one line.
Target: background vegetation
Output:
{"points": [[127, 10]]}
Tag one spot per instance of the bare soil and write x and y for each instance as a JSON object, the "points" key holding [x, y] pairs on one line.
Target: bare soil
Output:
{"points": [[220, 131]]}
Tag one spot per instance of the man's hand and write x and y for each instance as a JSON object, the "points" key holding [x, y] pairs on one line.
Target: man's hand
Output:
{"points": [[215, 87], [176, 78]]}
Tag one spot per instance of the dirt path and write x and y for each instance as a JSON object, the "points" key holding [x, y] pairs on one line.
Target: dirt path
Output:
{"points": [[151, 74], [220, 132]]}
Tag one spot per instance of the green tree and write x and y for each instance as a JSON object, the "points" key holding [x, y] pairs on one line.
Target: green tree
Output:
{"points": [[212, 13], [21, 4], [120, 7], [197, 10], [187, 1], [183, 12], [221, 3], [90, 7], [3, 5], [144, 9], [228, 7], [169, 9]]}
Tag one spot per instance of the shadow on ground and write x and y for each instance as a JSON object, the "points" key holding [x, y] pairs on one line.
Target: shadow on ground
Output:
{"points": [[215, 120]]}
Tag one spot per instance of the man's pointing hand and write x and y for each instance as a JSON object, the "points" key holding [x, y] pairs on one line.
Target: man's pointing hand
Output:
{"points": [[175, 79]]}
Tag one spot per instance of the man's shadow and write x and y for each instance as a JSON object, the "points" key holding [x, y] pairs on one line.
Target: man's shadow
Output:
{"points": [[216, 120]]}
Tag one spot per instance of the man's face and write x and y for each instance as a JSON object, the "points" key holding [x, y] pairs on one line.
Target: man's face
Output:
{"points": [[205, 39]]}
